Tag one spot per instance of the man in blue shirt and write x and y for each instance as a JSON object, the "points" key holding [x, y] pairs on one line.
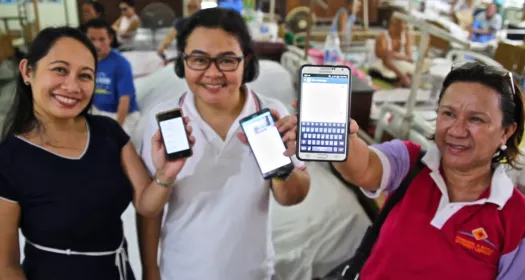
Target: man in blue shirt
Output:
{"points": [[114, 91], [486, 24]]}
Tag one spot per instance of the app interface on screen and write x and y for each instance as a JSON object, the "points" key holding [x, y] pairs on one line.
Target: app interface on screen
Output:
{"points": [[174, 135], [323, 113], [266, 143]]}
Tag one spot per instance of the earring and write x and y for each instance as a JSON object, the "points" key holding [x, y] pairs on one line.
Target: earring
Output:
{"points": [[503, 147], [27, 83]]}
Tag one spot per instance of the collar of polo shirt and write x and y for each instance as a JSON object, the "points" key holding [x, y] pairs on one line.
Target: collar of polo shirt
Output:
{"points": [[501, 188]]}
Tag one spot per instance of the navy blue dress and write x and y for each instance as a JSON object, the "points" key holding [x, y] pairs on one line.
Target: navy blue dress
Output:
{"points": [[69, 203]]}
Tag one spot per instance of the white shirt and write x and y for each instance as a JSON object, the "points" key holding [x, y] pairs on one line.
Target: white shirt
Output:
{"points": [[124, 24], [217, 225]]}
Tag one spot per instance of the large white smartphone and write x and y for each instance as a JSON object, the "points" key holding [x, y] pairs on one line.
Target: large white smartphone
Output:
{"points": [[324, 113], [266, 144]]}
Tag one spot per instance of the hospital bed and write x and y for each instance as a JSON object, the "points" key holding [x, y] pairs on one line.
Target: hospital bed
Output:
{"points": [[311, 238]]}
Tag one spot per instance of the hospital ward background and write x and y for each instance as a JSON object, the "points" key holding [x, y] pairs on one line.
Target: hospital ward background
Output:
{"points": [[400, 53]]}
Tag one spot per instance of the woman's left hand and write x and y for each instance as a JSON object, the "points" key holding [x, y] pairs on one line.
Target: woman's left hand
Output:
{"points": [[287, 127], [167, 170]]}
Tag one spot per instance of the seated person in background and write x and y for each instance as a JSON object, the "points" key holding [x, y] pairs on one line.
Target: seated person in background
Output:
{"points": [[486, 25], [127, 24], [114, 92], [192, 6], [393, 47], [346, 19], [92, 10]]}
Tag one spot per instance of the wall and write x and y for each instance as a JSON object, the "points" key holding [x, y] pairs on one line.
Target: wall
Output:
{"points": [[50, 14]]}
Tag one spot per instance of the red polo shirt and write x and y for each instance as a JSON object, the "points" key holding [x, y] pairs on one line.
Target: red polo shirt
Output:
{"points": [[428, 237]]}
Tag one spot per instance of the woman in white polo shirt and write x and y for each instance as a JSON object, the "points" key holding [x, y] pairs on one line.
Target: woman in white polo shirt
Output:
{"points": [[217, 224]]}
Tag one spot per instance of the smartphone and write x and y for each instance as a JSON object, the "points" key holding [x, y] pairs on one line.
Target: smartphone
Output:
{"points": [[324, 113], [266, 144], [174, 136]]}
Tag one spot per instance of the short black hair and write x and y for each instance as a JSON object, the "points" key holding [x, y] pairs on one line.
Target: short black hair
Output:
{"points": [[130, 3], [228, 20], [98, 7], [511, 104], [97, 23]]}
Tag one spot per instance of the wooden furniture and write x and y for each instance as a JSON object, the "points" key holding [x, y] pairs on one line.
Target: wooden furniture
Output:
{"points": [[333, 7], [113, 12], [6, 47], [511, 57]]}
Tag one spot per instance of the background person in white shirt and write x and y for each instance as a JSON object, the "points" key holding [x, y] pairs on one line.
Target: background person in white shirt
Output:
{"points": [[217, 224], [128, 23]]}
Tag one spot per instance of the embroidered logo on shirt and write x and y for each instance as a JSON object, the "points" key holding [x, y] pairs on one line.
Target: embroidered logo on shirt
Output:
{"points": [[479, 234], [480, 243]]}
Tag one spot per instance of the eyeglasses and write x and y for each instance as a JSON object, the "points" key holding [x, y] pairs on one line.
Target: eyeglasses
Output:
{"points": [[487, 70], [123, 9], [223, 63]]}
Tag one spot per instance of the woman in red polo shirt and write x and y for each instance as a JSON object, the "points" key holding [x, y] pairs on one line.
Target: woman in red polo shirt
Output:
{"points": [[461, 217]]}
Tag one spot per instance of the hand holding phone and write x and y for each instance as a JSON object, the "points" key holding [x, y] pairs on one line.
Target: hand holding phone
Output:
{"points": [[171, 144], [287, 127], [266, 143], [324, 113]]}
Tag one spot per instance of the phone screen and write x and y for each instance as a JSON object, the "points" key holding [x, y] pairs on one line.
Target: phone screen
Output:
{"points": [[324, 113], [266, 143], [174, 135]]}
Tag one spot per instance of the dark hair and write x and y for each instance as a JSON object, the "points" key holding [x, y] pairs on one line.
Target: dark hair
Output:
{"points": [[98, 23], [511, 104], [21, 117], [229, 21], [130, 3], [98, 7]]}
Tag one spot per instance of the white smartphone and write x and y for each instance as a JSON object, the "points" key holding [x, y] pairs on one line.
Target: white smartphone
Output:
{"points": [[324, 113], [266, 144], [174, 136]]}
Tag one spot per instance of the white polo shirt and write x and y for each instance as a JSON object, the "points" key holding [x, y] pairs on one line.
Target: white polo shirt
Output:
{"points": [[217, 225]]}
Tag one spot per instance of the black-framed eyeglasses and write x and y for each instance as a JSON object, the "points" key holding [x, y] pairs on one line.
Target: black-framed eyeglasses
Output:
{"points": [[488, 70], [223, 63]]}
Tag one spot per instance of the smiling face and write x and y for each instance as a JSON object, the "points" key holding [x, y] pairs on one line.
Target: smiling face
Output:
{"points": [[469, 125], [63, 81], [212, 85]]}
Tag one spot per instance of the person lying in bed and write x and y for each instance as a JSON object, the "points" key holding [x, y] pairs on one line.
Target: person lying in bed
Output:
{"points": [[393, 47], [217, 222]]}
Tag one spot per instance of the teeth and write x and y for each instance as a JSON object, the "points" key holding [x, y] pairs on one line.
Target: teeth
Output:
{"points": [[213, 86], [458, 147], [65, 99]]}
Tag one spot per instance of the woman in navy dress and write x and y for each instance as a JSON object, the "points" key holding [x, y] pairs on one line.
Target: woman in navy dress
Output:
{"points": [[66, 177]]}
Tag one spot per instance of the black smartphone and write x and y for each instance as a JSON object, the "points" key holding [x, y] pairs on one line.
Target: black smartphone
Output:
{"points": [[174, 136], [266, 144], [324, 113]]}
